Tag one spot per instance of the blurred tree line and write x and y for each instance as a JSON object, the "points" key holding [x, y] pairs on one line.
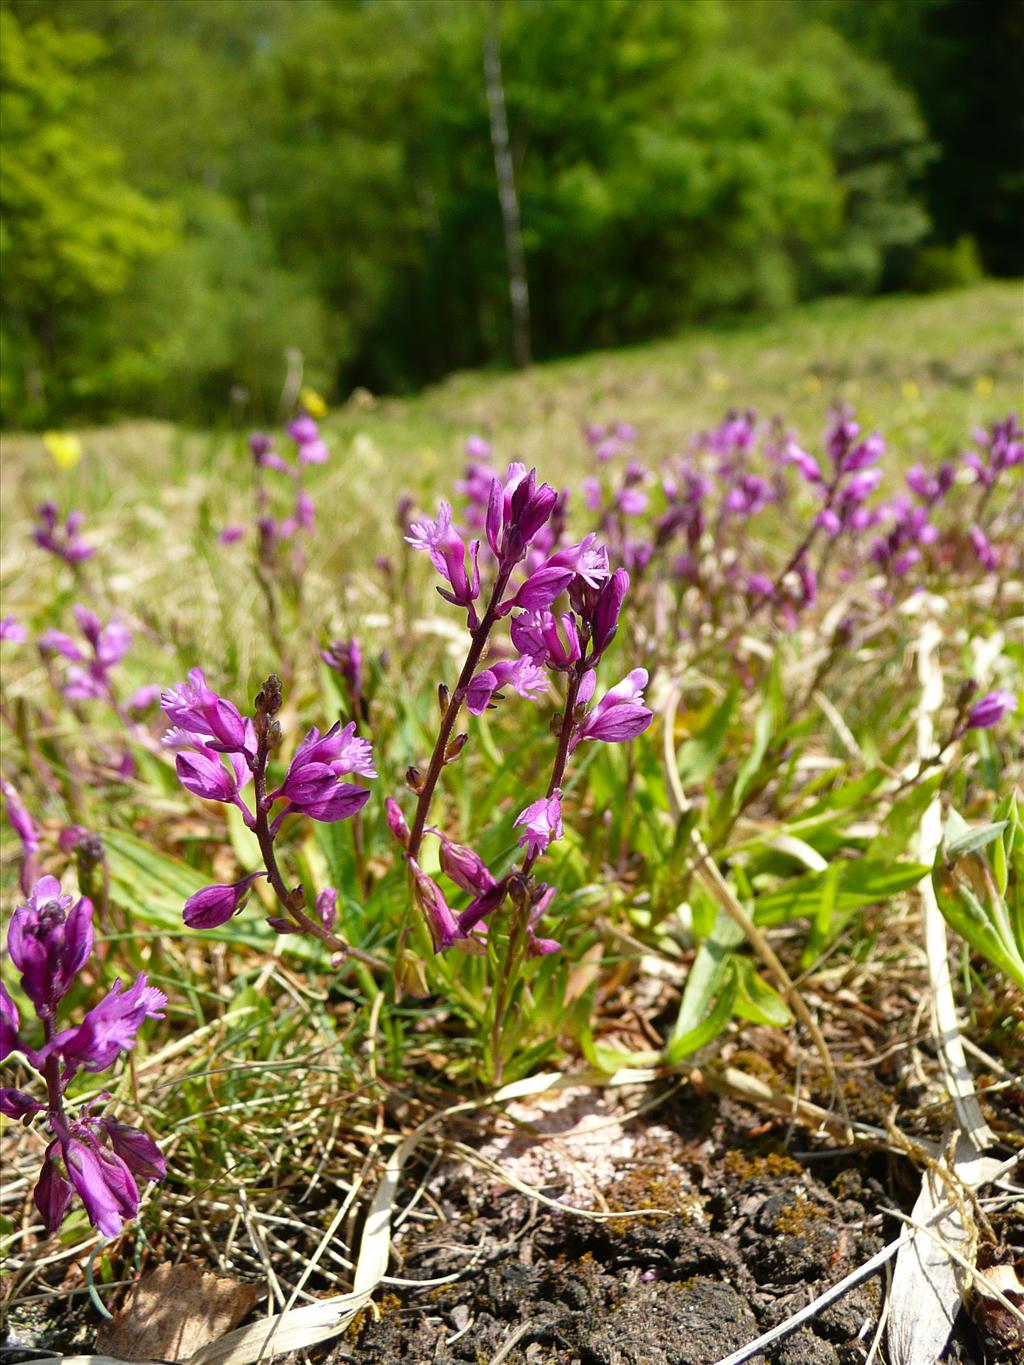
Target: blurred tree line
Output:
{"points": [[190, 187]]}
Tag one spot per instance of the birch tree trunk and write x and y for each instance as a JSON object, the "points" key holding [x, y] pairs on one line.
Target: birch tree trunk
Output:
{"points": [[518, 289]]}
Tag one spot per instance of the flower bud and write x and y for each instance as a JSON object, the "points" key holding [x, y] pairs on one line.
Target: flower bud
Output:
{"points": [[455, 748], [327, 907], [215, 904], [396, 821], [990, 710], [270, 696]]}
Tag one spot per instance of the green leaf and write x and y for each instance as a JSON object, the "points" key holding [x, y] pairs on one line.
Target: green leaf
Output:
{"points": [[153, 887], [714, 1023], [696, 758], [860, 882], [767, 723], [969, 918], [756, 1000], [973, 839], [900, 826], [611, 1059], [712, 978]]}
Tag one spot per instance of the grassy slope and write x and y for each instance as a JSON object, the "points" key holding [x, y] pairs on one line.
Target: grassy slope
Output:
{"points": [[923, 370]]}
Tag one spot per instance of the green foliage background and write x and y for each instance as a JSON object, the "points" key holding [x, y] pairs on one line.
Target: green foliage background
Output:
{"points": [[191, 187]]}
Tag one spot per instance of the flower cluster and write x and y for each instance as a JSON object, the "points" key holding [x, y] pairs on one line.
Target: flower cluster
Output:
{"points": [[530, 571], [1000, 448], [91, 663], [275, 531], [345, 658], [693, 534], [61, 538], [49, 940], [218, 752]]}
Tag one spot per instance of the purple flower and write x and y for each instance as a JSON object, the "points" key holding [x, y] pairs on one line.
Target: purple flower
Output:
{"points": [[327, 907], [314, 788], [465, 867], [540, 947], [447, 552], [260, 444], [89, 677], [305, 511], [442, 923], [230, 534], [587, 560], [868, 452], [61, 540], [56, 642], [631, 502], [1002, 448], [104, 1184], [482, 905], [810, 470], [524, 676], [24, 827], [48, 941], [52, 1193], [303, 430], [477, 448], [540, 589], [543, 823], [215, 905], [396, 821], [108, 1028], [270, 460], [984, 551], [759, 585], [9, 1023], [342, 749], [202, 772], [620, 714], [346, 658], [138, 1152], [313, 452], [144, 697], [607, 612], [515, 513], [536, 635], [195, 708], [12, 630], [990, 710], [16, 1104]]}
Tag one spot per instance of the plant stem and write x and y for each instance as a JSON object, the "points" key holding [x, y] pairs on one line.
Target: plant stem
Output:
{"points": [[508, 970], [293, 901], [562, 755], [476, 649]]}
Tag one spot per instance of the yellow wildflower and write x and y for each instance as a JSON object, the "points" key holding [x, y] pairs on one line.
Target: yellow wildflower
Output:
{"points": [[64, 448], [313, 403]]}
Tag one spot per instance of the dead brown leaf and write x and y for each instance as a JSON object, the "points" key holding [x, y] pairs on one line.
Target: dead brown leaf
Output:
{"points": [[173, 1312]]}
